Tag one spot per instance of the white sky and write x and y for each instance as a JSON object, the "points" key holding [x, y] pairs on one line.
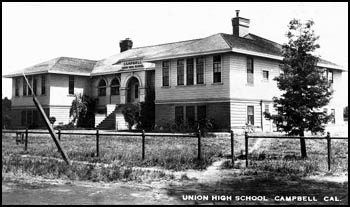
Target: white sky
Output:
{"points": [[36, 32]]}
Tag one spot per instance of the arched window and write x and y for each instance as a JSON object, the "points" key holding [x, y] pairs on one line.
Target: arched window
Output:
{"points": [[115, 87], [102, 88]]}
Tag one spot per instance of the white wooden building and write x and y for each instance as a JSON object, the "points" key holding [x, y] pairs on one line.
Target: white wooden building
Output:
{"points": [[224, 77]]}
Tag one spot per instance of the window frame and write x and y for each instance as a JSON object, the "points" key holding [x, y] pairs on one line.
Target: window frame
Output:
{"points": [[115, 88], [217, 65], [189, 71], [179, 116], [250, 70], [200, 65], [25, 87], [17, 87], [71, 80], [166, 73], [180, 68], [43, 85], [193, 120], [250, 115], [268, 74], [101, 88]]}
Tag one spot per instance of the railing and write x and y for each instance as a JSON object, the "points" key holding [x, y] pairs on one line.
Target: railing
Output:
{"points": [[328, 137]]}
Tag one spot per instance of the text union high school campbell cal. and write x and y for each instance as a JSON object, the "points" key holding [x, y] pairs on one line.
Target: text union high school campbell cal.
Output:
{"points": [[227, 78]]}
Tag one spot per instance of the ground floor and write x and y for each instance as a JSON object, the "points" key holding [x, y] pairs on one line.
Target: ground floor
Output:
{"points": [[225, 115]]}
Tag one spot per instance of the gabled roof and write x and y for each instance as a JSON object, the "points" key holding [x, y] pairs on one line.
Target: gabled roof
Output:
{"points": [[60, 65]]}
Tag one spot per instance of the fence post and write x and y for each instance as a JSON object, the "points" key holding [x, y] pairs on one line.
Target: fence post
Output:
{"points": [[232, 149], [246, 148], [329, 150], [143, 144], [97, 139], [199, 144], [26, 141], [59, 134]]}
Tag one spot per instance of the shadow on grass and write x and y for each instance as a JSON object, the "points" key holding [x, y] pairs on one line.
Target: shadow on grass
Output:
{"points": [[269, 186]]}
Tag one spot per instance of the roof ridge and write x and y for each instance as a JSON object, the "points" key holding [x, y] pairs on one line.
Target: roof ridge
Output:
{"points": [[222, 35], [167, 43], [264, 38]]}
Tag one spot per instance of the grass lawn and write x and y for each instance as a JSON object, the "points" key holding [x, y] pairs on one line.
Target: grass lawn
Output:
{"points": [[281, 156]]}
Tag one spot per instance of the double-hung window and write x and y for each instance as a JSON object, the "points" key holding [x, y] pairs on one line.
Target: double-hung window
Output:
{"points": [[250, 70], [71, 85], [180, 72], [200, 70], [165, 73], [190, 71], [16, 86], [250, 115], [43, 85], [217, 68]]}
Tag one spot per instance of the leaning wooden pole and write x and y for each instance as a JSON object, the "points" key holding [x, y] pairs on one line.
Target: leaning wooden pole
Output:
{"points": [[47, 123]]}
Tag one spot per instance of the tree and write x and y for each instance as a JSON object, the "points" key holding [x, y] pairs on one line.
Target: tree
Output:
{"points": [[304, 88], [6, 110], [82, 111], [52, 120], [131, 114], [346, 113]]}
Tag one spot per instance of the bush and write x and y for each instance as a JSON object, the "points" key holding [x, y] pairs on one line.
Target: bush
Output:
{"points": [[52, 120], [131, 114], [205, 125]]}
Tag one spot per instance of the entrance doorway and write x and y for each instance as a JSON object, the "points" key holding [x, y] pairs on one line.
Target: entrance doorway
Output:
{"points": [[133, 90]]}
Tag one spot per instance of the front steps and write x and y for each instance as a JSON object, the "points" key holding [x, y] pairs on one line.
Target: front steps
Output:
{"points": [[113, 120]]}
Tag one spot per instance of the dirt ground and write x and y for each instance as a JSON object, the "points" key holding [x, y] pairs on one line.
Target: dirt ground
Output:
{"points": [[214, 181]]}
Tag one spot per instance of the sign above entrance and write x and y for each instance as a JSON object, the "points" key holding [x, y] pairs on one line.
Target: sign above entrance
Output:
{"points": [[133, 64]]}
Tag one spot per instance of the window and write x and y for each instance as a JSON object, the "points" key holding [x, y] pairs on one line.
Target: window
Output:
{"points": [[201, 113], [333, 116], [190, 119], [180, 72], [30, 81], [265, 75], [200, 70], [267, 108], [250, 115], [136, 90], [23, 118], [34, 84], [115, 87], [24, 87], [190, 71], [71, 85], [43, 85], [16, 86], [29, 117], [179, 115], [250, 70], [217, 68], [165, 74], [102, 88], [330, 76], [325, 110]]}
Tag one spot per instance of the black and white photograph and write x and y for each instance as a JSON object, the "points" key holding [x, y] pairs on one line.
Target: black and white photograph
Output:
{"points": [[174, 103]]}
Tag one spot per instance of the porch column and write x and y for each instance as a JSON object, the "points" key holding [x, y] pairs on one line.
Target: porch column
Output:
{"points": [[142, 94], [123, 92]]}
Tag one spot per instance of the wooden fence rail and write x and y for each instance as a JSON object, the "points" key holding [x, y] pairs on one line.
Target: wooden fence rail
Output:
{"points": [[328, 138], [97, 133]]}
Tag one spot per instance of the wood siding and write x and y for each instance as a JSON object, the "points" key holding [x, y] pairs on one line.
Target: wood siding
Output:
{"points": [[59, 89], [207, 90]]}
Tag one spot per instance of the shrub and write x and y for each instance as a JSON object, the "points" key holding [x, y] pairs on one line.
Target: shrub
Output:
{"points": [[131, 114]]}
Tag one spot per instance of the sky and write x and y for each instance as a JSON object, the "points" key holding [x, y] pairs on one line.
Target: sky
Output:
{"points": [[36, 32]]}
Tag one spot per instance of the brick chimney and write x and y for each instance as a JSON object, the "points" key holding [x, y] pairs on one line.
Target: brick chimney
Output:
{"points": [[125, 44], [240, 25]]}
